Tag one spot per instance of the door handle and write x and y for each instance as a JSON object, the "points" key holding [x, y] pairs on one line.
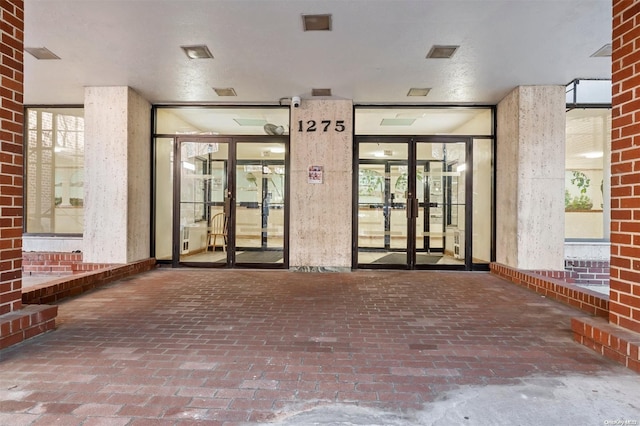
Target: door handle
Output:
{"points": [[413, 208]]}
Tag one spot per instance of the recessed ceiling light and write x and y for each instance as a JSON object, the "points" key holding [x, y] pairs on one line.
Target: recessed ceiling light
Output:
{"points": [[199, 51], [603, 52], [250, 121], [41, 53], [593, 154], [397, 121], [442, 52], [225, 91], [320, 92], [316, 22], [414, 91]]}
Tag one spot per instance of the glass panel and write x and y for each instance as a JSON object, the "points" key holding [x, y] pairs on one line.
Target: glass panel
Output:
{"points": [[222, 121], [587, 173], [163, 198], [455, 160], [482, 199], [383, 178], [371, 206], [203, 185], [440, 223], [434, 230], [423, 121], [260, 198], [398, 207], [55, 170]]}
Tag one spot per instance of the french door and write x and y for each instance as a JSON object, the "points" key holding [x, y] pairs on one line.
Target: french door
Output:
{"points": [[411, 200], [230, 202]]}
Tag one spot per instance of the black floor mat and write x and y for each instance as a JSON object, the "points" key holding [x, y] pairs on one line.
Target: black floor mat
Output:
{"points": [[259, 257], [401, 259]]}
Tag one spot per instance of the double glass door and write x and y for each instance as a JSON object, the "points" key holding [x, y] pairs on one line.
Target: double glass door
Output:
{"points": [[230, 202], [411, 199]]}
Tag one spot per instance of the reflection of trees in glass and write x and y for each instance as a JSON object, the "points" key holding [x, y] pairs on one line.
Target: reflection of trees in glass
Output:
{"points": [[369, 182], [402, 183]]}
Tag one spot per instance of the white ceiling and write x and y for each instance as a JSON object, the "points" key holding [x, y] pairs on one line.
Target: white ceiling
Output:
{"points": [[374, 54]]}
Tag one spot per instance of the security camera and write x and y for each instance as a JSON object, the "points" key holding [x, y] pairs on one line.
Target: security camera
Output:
{"points": [[295, 101]]}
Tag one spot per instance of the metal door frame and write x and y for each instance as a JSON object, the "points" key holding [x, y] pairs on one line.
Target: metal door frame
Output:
{"points": [[231, 192], [414, 205]]}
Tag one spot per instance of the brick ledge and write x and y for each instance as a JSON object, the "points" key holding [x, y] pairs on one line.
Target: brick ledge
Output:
{"points": [[25, 323], [611, 341], [586, 300], [80, 283]]}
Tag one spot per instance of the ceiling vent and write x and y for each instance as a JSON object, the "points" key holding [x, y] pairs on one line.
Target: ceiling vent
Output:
{"points": [[414, 91], [41, 53], [225, 91], [199, 51], [316, 22], [320, 92], [442, 52], [603, 52]]}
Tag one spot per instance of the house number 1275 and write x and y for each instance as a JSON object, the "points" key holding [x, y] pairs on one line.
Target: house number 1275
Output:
{"points": [[323, 126]]}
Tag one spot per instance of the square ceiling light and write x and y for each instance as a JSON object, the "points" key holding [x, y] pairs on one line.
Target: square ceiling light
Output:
{"points": [[250, 121], [442, 52], [320, 92], [41, 53], [316, 22], [414, 91], [199, 51], [225, 91], [603, 52], [397, 121]]}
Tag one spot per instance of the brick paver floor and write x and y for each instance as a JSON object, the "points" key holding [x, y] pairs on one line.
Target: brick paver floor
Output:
{"points": [[178, 347]]}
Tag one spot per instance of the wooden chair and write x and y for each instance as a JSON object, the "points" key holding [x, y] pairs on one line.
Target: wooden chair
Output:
{"points": [[217, 229]]}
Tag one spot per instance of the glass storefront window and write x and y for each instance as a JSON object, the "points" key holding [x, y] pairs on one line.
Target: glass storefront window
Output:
{"points": [[54, 170], [221, 121], [587, 174]]}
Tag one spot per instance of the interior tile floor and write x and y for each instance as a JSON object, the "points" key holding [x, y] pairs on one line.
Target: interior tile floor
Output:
{"points": [[231, 347]]}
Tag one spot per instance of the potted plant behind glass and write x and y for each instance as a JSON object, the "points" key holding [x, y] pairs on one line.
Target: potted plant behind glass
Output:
{"points": [[580, 202]]}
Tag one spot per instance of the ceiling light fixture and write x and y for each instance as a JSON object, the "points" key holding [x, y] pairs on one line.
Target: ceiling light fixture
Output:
{"points": [[414, 91], [603, 52], [225, 91], [442, 52], [41, 53], [397, 121], [250, 121], [316, 22], [199, 51], [320, 92], [593, 154]]}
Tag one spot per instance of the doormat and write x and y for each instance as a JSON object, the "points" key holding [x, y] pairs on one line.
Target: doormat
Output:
{"points": [[259, 257], [401, 259]]}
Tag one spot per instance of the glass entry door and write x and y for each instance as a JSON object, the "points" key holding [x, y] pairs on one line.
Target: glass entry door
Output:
{"points": [[230, 202], [410, 204]]}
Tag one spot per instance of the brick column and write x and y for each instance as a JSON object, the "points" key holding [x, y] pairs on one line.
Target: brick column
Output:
{"points": [[624, 302], [17, 322], [11, 120]]}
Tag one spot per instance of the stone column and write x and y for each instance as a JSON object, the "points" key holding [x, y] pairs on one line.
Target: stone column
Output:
{"points": [[320, 213], [530, 167], [117, 175]]}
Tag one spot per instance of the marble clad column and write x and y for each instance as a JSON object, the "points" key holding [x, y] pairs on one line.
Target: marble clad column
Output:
{"points": [[530, 167], [320, 213], [117, 175]]}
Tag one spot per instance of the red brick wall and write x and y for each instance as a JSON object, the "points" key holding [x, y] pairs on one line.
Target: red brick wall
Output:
{"points": [[11, 119], [624, 302]]}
